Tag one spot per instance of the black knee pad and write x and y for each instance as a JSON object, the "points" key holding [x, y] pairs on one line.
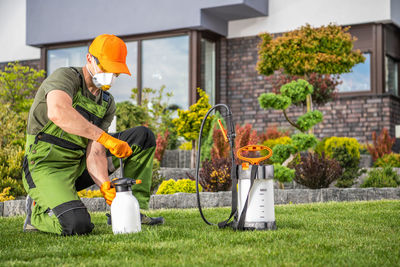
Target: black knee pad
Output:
{"points": [[74, 218]]}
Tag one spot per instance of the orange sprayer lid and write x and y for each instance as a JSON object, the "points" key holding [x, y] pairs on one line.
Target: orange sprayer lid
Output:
{"points": [[254, 161]]}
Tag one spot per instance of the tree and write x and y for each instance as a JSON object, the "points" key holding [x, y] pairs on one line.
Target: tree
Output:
{"points": [[189, 121], [307, 50], [323, 50]]}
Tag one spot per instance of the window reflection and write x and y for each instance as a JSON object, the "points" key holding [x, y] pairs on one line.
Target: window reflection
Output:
{"points": [[208, 68], [359, 79], [391, 76], [66, 57], [166, 62]]}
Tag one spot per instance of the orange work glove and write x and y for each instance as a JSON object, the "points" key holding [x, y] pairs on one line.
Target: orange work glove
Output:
{"points": [[108, 192], [117, 147]]}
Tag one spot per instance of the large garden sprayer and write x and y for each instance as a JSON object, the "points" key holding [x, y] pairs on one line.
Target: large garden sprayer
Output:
{"points": [[252, 183]]}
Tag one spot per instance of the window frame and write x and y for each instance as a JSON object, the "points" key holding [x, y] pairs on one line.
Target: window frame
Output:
{"points": [[194, 55]]}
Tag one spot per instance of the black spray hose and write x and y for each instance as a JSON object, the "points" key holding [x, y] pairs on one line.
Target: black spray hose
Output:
{"points": [[231, 138]]}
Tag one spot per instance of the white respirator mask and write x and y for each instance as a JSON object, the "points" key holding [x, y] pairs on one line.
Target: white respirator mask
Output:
{"points": [[102, 80]]}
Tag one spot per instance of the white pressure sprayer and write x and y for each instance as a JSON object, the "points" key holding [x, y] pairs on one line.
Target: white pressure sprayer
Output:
{"points": [[125, 210], [252, 184]]}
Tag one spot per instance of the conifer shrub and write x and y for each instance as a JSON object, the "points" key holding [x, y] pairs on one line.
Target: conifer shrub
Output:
{"points": [[180, 186], [384, 177]]}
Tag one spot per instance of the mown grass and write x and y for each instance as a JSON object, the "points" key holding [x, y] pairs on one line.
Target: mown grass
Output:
{"points": [[323, 234]]}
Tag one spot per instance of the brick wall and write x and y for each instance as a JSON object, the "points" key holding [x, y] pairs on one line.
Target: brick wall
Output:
{"points": [[241, 85]]}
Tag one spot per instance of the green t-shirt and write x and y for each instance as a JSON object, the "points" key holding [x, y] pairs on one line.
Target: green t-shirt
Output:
{"points": [[67, 80]]}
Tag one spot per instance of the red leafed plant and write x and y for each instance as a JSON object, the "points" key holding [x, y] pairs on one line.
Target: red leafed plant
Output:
{"points": [[161, 145], [220, 148], [315, 171], [381, 144], [244, 136], [272, 133]]}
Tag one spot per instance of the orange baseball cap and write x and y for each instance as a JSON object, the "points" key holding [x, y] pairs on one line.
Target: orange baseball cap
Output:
{"points": [[111, 52]]}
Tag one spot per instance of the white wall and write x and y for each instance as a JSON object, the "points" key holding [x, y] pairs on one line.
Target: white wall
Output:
{"points": [[286, 15], [13, 32]]}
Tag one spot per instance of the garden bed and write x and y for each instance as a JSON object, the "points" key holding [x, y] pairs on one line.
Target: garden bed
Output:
{"points": [[223, 199]]}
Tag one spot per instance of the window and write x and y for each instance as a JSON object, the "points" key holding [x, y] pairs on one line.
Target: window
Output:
{"points": [[155, 62], [165, 61], [391, 76], [208, 68], [359, 79], [66, 57]]}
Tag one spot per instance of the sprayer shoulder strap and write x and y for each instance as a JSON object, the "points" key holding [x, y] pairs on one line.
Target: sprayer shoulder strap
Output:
{"points": [[234, 176], [254, 171]]}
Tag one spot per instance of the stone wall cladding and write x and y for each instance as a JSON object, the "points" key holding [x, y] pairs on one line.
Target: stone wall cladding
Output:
{"points": [[14, 208], [176, 159], [356, 116]]}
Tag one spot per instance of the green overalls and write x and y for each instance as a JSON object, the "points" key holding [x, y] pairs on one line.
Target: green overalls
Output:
{"points": [[55, 161]]}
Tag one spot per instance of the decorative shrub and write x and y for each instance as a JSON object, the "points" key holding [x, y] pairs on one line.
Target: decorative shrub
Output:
{"points": [[171, 187], [381, 144], [18, 85], [186, 146], [189, 121], [220, 148], [283, 174], [215, 175], [364, 149], [349, 164], [16, 187], [324, 50], [186, 186], [245, 135], [317, 171], [271, 143], [130, 115], [351, 144], [89, 193], [385, 177], [167, 187], [5, 195], [161, 145], [324, 85], [388, 160], [273, 133], [153, 112]]}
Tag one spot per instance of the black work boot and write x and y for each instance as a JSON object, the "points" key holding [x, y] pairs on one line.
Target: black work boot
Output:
{"points": [[28, 227], [151, 220]]}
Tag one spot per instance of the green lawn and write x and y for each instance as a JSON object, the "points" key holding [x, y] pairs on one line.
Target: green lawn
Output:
{"points": [[345, 234]]}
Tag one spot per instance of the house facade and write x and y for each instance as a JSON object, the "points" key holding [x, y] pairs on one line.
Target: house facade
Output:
{"points": [[186, 44]]}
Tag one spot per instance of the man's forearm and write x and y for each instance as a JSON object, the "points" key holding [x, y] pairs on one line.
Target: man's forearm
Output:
{"points": [[96, 162]]}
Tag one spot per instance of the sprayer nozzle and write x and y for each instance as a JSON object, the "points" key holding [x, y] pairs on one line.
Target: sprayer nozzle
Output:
{"points": [[138, 181]]}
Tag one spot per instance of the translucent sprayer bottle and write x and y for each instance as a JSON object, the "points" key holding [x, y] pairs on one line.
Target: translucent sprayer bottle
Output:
{"points": [[125, 210]]}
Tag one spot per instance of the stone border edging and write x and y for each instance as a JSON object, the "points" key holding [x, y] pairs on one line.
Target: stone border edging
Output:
{"points": [[223, 199]]}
